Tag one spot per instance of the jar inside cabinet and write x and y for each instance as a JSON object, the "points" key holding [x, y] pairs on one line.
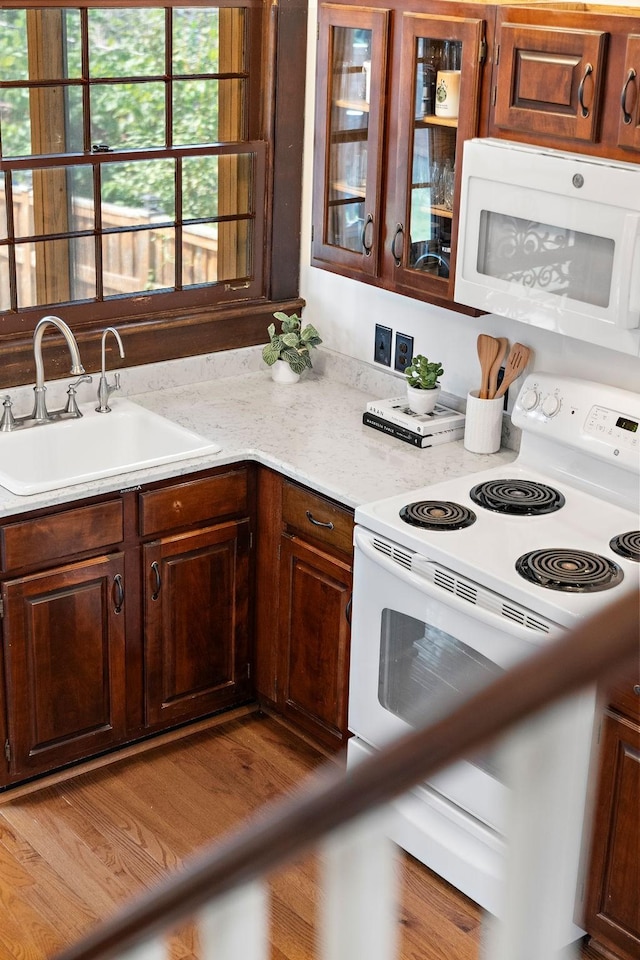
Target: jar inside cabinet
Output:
{"points": [[352, 47]]}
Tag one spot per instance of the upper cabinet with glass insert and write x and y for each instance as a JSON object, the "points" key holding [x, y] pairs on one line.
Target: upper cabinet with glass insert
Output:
{"points": [[390, 125]]}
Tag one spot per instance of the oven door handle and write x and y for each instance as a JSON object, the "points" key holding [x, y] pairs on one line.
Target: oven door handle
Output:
{"points": [[362, 541]]}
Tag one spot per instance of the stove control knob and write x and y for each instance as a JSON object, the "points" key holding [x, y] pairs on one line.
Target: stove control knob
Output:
{"points": [[530, 400], [550, 405]]}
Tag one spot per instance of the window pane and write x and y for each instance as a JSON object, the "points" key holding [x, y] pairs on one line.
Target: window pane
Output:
{"points": [[13, 30], [61, 129], [71, 261], [15, 123], [195, 40], [197, 111], [3, 209], [128, 115], [46, 186], [5, 299], [139, 192], [126, 42], [216, 186], [211, 253], [138, 261]]}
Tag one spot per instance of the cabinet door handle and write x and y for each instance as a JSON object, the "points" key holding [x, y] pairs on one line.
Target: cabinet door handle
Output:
{"points": [[636, 689], [155, 566], [626, 116], [118, 586], [347, 611], [367, 247], [399, 233], [319, 523], [588, 70]]}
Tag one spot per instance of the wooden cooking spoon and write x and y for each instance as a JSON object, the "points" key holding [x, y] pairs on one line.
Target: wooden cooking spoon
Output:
{"points": [[487, 352], [518, 359], [503, 343]]}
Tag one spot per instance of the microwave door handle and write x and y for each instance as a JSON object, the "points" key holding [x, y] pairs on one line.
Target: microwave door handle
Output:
{"points": [[362, 541], [627, 300]]}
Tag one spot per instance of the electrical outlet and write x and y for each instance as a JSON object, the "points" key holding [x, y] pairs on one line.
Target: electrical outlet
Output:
{"points": [[404, 351], [382, 353]]}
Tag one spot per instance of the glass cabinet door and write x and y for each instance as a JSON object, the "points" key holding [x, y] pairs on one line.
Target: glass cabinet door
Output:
{"points": [[438, 110], [352, 48]]}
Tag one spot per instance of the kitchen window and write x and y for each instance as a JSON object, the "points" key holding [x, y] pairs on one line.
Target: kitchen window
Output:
{"points": [[134, 162]]}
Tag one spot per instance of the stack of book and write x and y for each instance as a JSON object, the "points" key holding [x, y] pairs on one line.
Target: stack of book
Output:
{"points": [[394, 418]]}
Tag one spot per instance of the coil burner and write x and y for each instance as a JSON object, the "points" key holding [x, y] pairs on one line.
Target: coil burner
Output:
{"points": [[437, 515], [518, 497], [570, 571], [627, 545]]}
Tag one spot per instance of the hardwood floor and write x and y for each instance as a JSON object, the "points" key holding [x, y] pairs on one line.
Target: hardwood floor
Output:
{"points": [[72, 852]]}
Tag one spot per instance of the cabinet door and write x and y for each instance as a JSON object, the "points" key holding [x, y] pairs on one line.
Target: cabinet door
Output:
{"points": [[613, 907], [437, 108], [629, 127], [65, 664], [196, 589], [352, 65], [550, 80], [315, 633]]}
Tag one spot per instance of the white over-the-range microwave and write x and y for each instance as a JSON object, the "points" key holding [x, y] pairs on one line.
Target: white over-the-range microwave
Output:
{"points": [[551, 239]]}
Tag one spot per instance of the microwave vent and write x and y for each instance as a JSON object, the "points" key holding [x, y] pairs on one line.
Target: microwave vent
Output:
{"points": [[401, 557], [481, 597]]}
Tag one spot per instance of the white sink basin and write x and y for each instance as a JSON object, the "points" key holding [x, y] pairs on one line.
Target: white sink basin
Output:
{"points": [[67, 452]]}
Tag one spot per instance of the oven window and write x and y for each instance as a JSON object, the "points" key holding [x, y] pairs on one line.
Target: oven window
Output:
{"points": [[543, 257], [424, 670]]}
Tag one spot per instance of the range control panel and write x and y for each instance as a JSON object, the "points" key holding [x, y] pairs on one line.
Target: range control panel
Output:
{"points": [[597, 418]]}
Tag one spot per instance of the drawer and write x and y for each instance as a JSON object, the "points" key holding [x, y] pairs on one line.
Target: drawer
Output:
{"points": [[314, 516], [194, 501], [61, 535]]}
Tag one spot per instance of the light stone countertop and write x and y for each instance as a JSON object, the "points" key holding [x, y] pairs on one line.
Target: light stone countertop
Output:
{"points": [[311, 432]]}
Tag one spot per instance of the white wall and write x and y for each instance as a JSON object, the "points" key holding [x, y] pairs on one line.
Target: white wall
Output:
{"points": [[346, 311]]}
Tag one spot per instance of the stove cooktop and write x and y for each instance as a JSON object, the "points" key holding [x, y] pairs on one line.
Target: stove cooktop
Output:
{"points": [[578, 529]]}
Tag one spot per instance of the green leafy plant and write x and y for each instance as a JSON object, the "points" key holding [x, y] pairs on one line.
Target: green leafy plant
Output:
{"points": [[292, 344], [422, 374]]}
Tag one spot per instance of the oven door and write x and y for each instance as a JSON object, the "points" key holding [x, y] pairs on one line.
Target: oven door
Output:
{"points": [[417, 650]]}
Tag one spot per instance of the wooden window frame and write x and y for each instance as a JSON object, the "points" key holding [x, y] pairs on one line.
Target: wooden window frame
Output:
{"points": [[181, 326]]}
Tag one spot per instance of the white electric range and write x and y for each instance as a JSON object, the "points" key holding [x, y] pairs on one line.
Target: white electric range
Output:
{"points": [[456, 581]]}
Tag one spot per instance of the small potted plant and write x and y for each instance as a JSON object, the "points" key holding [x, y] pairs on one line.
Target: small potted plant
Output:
{"points": [[423, 388], [288, 352]]}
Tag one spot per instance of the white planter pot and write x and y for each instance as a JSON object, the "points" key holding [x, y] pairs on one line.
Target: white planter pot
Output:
{"points": [[422, 401], [281, 372]]}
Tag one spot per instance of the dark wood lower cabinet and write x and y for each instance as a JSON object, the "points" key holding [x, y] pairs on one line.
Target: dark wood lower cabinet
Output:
{"points": [[64, 651], [122, 617], [196, 622], [315, 593], [613, 901]]}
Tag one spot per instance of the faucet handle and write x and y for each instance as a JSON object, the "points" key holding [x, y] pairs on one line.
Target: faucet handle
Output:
{"points": [[8, 422], [72, 403]]}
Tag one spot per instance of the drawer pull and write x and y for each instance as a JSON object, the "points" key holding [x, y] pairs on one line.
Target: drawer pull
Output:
{"points": [[156, 572], [636, 689], [588, 70], [626, 116], [319, 523], [118, 586]]}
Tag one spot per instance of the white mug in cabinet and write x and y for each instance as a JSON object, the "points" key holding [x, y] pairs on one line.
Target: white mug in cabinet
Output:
{"points": [[447, 93]]}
